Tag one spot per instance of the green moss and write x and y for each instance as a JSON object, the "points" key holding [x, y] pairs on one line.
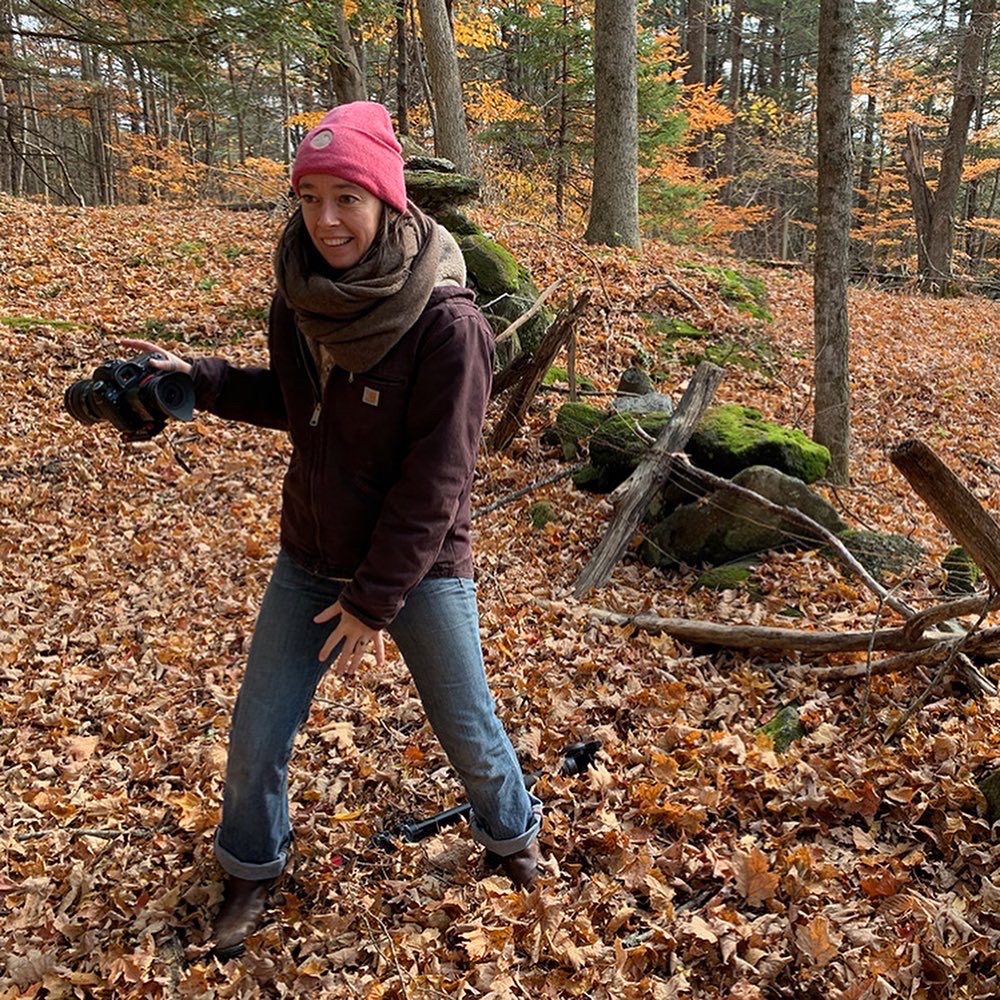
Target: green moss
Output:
{"points": [[962, 572], [27, 322], [732, 576], [617, 446], [574, 423], [732, 437], [541, 513], [784, 728], [747, 294], [494, 268], [556, 376], [674, 328], [435, 190]]}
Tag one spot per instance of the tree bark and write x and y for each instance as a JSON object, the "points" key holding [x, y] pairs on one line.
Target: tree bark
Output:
{"points": [[832, 404], [451, 135], [614, 199], [952, 503], [934, 212], [345, 71]]}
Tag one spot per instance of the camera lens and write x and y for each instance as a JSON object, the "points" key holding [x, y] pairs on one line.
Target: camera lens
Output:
{"points": [[79, 402]]}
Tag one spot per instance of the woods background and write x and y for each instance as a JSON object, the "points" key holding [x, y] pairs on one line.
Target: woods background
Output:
{"points": [[120, 103], [144, 153]]}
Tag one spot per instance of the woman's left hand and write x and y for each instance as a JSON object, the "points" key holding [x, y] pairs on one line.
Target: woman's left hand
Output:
{"points": [[356, 637]]}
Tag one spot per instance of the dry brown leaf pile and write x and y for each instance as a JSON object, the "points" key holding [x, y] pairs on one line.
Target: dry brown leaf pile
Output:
{"points": [[691, 861]]}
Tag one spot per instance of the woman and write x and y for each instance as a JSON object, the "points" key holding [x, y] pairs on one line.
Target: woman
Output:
{"points": [[380, 369]]}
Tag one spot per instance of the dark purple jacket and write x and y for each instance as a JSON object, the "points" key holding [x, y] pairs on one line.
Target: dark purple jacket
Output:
{"points": [[377, 490]]}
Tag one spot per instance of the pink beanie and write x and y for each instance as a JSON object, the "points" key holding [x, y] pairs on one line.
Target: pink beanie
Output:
{"points": [[355, 141]]}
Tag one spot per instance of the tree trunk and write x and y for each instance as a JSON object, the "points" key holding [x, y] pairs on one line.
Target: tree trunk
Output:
{"points": [[451, 135], [614, 200], [345, 73], [697, 39], [402, 71], [832, 416], [733, 94], [934, 212]]}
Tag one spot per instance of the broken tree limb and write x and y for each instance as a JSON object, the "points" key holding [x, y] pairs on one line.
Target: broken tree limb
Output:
{"points": [[739, 636], [517, 406], [524, 317], [649, 477], [953, 503], [971, 605]]}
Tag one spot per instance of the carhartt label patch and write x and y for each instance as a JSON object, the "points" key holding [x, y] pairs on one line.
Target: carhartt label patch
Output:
{"points": [[370, 396]]}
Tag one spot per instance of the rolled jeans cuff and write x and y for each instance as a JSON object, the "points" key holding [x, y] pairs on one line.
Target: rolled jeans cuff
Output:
{"points": [[504, 848], [240, 869]]}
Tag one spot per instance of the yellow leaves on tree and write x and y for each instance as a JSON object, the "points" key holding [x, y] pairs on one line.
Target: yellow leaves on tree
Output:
{"points": [[488, 103]]}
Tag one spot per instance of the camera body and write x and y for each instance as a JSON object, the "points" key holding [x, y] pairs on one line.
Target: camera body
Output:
{"points": [[132, 396]]}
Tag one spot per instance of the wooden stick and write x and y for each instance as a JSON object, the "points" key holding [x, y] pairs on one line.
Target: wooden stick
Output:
{"points": [[524, 317], [952, 503], [649, 477], [517, 406]]}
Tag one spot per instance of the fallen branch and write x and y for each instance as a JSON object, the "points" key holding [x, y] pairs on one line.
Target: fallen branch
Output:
{"points": [[524, 317], [953, 503], [674, 286], [815, 530], [739, 636], [524, 490], [648, 478], [517, 406]]}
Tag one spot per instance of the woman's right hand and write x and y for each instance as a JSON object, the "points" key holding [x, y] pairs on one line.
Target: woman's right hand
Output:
{"points": [[166, 362]]}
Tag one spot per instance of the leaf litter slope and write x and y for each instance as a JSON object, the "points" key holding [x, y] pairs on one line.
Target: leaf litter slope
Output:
{"points": [[693, 860]]}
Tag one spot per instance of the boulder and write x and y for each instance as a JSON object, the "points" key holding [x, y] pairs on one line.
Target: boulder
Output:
{"points": [[721, 527], [575, 422], [882, 553], [732, 437], [504, 289]]}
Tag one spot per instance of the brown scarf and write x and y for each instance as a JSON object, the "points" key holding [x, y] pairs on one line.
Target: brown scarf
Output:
{"points": [[352, 318]]}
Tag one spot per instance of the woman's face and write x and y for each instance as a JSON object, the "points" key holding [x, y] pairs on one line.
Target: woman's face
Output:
{"points": [[341, 218]]}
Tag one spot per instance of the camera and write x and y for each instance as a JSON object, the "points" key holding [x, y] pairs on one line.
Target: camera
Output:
{"points": [[132, 396]]}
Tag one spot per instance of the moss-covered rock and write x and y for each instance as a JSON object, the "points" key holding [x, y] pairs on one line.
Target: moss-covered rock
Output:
{"points": [[437, 192], [724, 527], [784, 728], [620, 443], [504, 290], [961, 571], [575, 422], [732, 437], [881, 552]]}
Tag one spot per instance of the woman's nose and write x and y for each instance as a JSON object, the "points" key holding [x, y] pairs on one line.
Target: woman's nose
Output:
{"points": [[329, 214]]}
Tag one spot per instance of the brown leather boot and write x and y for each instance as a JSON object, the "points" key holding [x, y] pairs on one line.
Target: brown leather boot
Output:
{"points": [[243, 904], [521, 868]]}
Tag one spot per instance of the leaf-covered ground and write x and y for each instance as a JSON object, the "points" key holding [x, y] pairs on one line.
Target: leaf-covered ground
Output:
{"points": [[692, 861]]}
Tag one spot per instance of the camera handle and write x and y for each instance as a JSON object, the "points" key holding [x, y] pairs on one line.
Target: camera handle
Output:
{"points": [[577, 758]]}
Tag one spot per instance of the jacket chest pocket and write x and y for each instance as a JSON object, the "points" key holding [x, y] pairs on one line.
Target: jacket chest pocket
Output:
{"points": [[372, 413]]}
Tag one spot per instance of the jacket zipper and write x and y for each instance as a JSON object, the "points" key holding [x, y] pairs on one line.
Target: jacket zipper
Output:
{"points": [[313, 376]]}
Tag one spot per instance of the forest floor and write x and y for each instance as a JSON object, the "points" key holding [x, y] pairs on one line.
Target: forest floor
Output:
{"points": [[692, 860]]}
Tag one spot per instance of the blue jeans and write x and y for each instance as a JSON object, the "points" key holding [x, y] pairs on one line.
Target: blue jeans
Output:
{"points": [[437, 632]]}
